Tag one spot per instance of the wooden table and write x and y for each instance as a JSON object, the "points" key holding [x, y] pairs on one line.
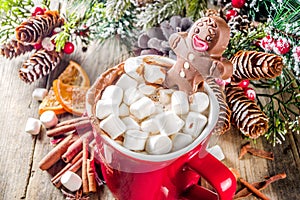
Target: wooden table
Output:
{"points": [[21, 178]]}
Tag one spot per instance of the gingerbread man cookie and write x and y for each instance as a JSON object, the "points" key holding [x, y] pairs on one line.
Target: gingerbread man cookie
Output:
{"points": [[199, 54]]}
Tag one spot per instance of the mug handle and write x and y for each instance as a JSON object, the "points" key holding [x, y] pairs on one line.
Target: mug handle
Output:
{"points": [[216, 174]]}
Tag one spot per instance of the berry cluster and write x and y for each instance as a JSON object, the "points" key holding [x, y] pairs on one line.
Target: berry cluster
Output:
{"points": [[280, 46], [249, 92]]}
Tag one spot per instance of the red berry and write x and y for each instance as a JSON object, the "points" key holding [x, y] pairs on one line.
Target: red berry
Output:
{"points": [[267, 43], [37, 46], [244, 83], [298, 51], [281, 46], [238, 3], [38, 11], [230, 14], [250, 93], [69, 48]]}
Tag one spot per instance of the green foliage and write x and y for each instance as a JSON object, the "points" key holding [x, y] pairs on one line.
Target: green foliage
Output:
{"points": [[153, 14], [282, 106], [195, 8], [12, 13], [242, 41], [97, 21]]}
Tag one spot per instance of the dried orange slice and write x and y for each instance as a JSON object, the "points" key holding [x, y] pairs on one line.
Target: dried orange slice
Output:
{"points": [[74, 74], [71, 97], [50, 103]]}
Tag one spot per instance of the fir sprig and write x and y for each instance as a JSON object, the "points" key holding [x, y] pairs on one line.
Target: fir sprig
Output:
{"points": [[195, 9], [282, 106], [153, 14], [13, 12], [242, 41]]}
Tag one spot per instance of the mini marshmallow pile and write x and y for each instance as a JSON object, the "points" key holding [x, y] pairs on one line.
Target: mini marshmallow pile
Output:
{"points": [[138, 113]]}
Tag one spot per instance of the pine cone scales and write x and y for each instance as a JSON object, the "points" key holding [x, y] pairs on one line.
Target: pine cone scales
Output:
{"points": [[223, 123], [38, 65], [37, 27], [246, 115], [254, 65], [14, 48]]}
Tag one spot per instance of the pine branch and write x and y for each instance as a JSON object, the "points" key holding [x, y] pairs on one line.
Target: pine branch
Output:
{"points": [[13, 12], [195, 8], [153, 14], [282, 106], [241, 41]]}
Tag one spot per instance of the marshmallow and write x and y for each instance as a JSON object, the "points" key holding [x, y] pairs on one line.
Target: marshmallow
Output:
{"points": [[158, 108], [49, 118], [199, 102], [126, 82], [123, 110], [165, 96], [179, 102], [142, 108], [131, 124], [158, 144], [181, 140], [113, 126], [113, 92], [33, 126], [39, 94], [217, 152], [71, 181], [105, 108], [150, 125], [131, 95], [194, 124], [134, 68], [169, 123], [154, 74], [135, 139], [146, 89]]}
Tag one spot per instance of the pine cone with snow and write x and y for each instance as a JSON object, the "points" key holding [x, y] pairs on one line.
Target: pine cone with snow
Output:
{"points": [[35, 28], [246, 115], [39, 64], [255, 65], [14, 48], [239, 23]]}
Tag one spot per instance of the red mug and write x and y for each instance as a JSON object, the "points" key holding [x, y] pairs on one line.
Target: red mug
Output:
{"points": [[135, 176]]}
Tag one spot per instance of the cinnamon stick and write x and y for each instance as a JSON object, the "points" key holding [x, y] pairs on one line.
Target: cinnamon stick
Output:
{"points": [[91, 173], [71, 121], [85, 186], [245, 192], [248, 185], [253, 189], [76, 147], [246, 148], [68, 127], [261, 153], [54, 155], [56, 179]]}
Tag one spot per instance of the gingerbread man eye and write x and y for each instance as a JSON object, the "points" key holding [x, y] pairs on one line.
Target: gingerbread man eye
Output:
{"points": [[209, 38], [196, 30]]}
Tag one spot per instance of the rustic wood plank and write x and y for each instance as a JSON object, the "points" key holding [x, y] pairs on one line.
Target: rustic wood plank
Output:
{"points": [[16, 146]]}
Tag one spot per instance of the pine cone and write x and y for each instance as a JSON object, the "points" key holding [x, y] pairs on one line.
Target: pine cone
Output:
{"points": [[246, 115], [38, 65], [239, 23], [14, 48], [254, 65], [155, 40], [37, 27], [223, 123]]}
